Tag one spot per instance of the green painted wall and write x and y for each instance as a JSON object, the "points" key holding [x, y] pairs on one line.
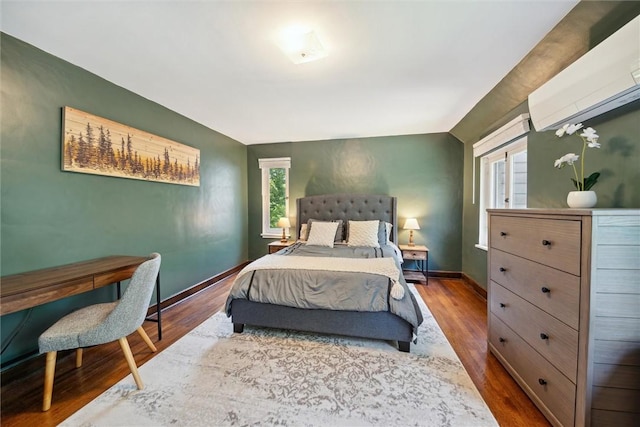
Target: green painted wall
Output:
{"points": [[423, 171], [474, 260], [50, 217], [618, 161], [619, 130]]}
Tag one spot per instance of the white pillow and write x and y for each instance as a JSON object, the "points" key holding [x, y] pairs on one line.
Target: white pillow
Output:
{"points": [[364, 233], [303, 232], [322, 234]]}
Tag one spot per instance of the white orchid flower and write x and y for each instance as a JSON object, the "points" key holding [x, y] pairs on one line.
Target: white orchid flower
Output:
{"points": [[589, 139], [590, 135], [593, 144], [560, 132], [568, 159], [588, 132], [573, 128], [568, 129]]}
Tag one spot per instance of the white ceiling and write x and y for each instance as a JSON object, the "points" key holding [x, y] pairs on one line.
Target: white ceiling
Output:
{"points": [[394, 68]]}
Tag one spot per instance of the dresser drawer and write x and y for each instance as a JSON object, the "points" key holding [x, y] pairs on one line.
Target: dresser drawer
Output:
{"points": [[552, 290], [553, 339], [553, 242], [556, 394]]}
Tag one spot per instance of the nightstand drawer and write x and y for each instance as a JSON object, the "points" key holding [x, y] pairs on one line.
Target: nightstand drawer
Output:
{"points": [[276, 246], [417, 255], [552, 242]]}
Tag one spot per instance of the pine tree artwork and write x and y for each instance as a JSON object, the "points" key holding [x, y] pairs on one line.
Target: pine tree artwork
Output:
{"points": [[99, 146]]}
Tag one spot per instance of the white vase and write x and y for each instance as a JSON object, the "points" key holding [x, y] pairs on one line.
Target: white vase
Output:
{"points": [[582, 199]]}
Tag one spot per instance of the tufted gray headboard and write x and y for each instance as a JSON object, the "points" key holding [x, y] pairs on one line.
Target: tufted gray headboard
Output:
{"points": [[357, 207]]}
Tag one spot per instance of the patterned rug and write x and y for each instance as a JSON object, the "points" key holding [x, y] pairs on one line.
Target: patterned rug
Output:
{"points": [[213, 377]]}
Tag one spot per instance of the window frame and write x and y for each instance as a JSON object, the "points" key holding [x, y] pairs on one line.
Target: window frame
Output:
{"points": [[266, 165], [507, 153]]}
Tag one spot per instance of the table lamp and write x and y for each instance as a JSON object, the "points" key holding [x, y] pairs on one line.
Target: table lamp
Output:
{"points": [[284, 223], [411, 224]]}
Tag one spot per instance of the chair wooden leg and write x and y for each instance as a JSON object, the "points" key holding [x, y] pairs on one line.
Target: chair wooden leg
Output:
{"points": [[146, 339], [78, 357], [124, 344], [49, 373]]}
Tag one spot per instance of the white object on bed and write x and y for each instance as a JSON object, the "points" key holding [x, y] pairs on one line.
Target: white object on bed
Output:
{"points": [[397, 251], [381, 266], [339, 231], [303, 232], [363, 233], [388, 227], [322, 233]]}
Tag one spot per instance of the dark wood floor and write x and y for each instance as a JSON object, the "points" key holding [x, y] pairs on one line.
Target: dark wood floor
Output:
{"points": [[460, 312]]}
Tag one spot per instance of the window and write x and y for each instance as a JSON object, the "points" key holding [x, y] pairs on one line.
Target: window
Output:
{"points": [[503, 171], [275, 194], [503, 182]]}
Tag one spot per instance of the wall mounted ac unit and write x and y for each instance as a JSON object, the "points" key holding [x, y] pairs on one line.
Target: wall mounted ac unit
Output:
{"points": [[606, 77]]}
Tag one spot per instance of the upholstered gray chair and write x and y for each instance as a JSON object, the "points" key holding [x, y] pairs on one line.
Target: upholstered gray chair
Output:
{"points": [[102, 323]]}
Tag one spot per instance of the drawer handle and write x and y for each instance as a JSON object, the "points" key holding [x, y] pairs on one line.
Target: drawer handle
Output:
{"points": [[542, 381], [502, 339], [503, 305], [502, 269], [546, 243], [545, 290], [503, 233], [544, 336]]}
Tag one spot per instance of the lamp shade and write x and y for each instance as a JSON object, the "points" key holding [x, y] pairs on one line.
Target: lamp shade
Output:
{"points": [[411, 224], [284, 222]]}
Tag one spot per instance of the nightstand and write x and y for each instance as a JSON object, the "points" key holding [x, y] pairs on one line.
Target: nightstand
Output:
{"points": [[419, 254], [277, 245]]}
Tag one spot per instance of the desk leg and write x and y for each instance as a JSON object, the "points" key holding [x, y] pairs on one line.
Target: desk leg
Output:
{"points": [[119, 293]]}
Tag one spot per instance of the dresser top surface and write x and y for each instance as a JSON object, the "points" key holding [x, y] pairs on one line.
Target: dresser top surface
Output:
{"points": [[569, 212]]}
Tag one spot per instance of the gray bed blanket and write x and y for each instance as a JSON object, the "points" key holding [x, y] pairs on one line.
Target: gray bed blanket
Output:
{"points": [[331, 290]]}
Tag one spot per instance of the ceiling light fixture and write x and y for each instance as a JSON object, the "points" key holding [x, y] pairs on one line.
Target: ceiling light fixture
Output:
{"points": [[301, 45]]}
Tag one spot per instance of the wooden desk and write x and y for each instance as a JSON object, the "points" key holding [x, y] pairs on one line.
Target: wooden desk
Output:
{"points": [[25, 290]]}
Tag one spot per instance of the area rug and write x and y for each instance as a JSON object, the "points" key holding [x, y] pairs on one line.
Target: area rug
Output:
{"points": [[213, 377]]}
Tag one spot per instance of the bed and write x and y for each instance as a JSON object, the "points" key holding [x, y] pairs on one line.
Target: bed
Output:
{"points": [[272, 293]]}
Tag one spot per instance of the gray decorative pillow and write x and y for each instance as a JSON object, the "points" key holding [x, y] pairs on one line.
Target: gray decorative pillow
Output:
{"points": [[339, 231], [388, 227], [382, 233]]}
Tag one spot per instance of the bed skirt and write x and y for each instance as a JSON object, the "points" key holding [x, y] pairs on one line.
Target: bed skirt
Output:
{"points": [[378, 325]]}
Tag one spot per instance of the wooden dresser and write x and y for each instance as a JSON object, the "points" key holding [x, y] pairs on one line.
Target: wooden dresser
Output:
{"points": [[564, 310]]}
